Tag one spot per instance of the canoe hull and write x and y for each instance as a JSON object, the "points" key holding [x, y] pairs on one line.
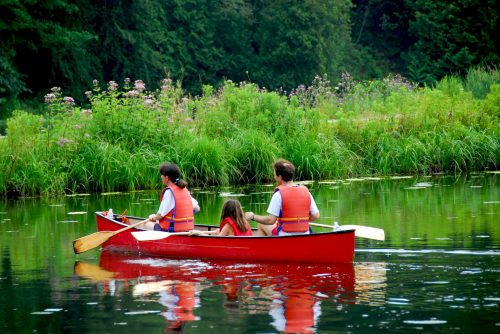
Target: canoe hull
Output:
{"points": [[329, 247]]}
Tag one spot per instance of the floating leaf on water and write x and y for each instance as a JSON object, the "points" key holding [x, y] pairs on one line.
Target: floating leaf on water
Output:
{"points": [[330, 182], [425, 322], [423, 184], [471, 272], [77, 213], [225, 194], [371, 178], [142, 312]]}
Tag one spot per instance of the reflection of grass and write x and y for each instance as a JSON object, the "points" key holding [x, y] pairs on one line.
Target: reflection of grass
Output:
{"points": [[370, 128]]}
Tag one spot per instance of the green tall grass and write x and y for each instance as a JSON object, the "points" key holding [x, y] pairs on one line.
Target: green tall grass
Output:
{"points": [[232, 135]]}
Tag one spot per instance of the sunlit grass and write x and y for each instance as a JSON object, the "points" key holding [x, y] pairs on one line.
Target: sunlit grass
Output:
{"points": [[233, 135]]}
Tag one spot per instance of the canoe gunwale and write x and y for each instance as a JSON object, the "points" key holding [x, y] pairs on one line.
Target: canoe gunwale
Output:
{"points": [[213, 227]]}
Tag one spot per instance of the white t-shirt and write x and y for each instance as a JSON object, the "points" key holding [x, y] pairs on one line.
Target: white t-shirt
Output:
{"points": [[275, 205], [168, 203]]}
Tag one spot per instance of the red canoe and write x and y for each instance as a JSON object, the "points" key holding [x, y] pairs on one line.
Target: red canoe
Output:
{"points": [[324, 247]]}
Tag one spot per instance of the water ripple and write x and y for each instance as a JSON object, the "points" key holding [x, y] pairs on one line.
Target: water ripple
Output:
{"points": [[429, 251]]}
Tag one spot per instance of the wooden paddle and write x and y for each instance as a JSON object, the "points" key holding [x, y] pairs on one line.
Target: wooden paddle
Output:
{"points": [[158, 235], [98, 238], [360, 231]]}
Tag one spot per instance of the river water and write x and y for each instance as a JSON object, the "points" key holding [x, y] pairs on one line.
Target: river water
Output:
{"points": [[437, 271]]}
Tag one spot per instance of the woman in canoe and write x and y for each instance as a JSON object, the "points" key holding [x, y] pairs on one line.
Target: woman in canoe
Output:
{"points": [[232, 220], [292, 206], [177, 207]]}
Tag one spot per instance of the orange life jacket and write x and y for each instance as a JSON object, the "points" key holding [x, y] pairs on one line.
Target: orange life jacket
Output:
{"points": [[181, 216], [236, 230], [295, 208]]}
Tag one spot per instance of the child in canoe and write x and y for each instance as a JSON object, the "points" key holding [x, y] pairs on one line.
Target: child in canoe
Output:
{"points": [[232, 220]]}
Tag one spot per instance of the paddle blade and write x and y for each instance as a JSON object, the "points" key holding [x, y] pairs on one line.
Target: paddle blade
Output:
{"points": [[366, 232], [90, 241], [150, 235]]}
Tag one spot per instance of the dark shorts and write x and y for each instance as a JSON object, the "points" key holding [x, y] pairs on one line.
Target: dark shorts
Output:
{"points": [[158, 228]]}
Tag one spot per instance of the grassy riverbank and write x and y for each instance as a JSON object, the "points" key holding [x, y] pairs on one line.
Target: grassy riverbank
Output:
{"points": [[117, 138]]}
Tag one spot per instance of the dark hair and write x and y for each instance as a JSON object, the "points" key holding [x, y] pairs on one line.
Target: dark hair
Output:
{"points": [[284, 168], [232, 208], [173, 172]]}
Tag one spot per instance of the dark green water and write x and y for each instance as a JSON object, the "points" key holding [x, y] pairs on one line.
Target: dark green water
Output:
{"points": [[438, 270]]}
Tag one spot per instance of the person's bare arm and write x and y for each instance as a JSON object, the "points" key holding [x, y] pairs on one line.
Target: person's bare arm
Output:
{"points": [[264, 220], [313, 217], [226, 231]]}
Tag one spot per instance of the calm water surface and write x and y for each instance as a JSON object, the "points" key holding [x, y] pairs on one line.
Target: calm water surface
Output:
{"points": [[438, 270]]}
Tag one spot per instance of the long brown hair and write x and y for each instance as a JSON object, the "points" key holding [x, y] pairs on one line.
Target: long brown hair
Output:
{"points": [[173, 172], [232, 208]]}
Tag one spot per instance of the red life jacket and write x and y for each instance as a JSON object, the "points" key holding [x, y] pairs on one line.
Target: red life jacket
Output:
{"points": [[236, 230], [295, 208], [181, 216]]}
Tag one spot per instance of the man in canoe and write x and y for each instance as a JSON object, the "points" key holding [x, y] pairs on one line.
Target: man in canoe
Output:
{"points": [[177, 207], [292, 206]]}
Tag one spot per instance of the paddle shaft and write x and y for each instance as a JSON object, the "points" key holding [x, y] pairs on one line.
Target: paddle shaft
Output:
{"points": [[322, 225], [360, 231], [129, 227]]}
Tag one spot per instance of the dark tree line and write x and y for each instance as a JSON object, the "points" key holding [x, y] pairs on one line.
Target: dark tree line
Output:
{"points": [[278, 43]]}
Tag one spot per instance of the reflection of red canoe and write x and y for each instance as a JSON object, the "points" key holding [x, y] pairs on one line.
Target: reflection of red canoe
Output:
{"points": [[290, 293], [325, 247], [330, 280]]}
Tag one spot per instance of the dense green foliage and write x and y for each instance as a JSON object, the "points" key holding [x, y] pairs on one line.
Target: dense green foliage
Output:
{"points": [[275, 44], [427, 40], [233, 134]]}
